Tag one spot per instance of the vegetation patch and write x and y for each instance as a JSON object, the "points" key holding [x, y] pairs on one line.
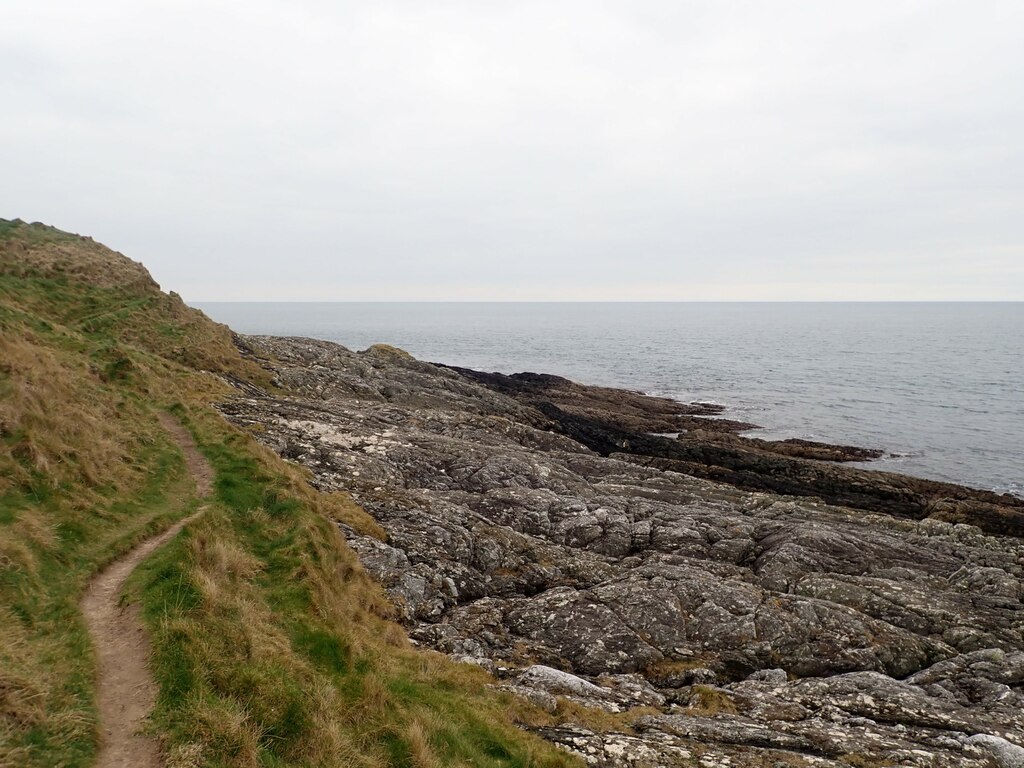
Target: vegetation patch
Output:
{"points": [[274, 648], [705, 700], [271, 646]]}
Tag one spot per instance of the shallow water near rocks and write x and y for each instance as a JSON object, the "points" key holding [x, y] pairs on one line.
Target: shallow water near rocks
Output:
{"points": [[939, 386]]}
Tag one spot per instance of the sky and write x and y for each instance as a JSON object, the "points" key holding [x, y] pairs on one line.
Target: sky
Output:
{"points": [[554, 150]]}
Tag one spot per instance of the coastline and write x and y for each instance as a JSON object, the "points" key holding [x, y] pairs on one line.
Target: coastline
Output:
{"points": [[932, 384], [534, 527], [615, 421], [627, 612]]}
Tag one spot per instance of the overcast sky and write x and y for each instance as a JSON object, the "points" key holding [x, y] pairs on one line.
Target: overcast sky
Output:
{"points": [[323, 150]]}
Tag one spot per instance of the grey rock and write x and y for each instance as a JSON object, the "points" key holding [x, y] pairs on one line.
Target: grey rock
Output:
{"points": [[770, 676], [540, 698], [618, 750], [1006, 754], [830, 631], [556, 681]]}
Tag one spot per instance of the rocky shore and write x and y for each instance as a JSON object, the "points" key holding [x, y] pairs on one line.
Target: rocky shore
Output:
{"points": [[717, 600]]}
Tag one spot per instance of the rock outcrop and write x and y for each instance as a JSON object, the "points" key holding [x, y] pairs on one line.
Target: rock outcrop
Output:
{"points": [[721, 625]]}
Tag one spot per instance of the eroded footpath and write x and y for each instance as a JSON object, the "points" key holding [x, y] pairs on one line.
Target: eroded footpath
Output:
{"points": [[125, 689]]}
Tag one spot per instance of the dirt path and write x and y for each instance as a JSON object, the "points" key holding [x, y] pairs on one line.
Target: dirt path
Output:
{"points": [[125, 690]]}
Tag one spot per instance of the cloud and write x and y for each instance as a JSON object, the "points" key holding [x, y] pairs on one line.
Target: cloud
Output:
{"points": [[315, 150]]}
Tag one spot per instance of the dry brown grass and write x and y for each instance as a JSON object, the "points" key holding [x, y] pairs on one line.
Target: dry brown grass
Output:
{"points": [[569, 712], [420, 752], [341, 508], [300, 625], [708, 701], [272, 645], [85, 469], [39, 250], [82, 287], [52, 422], [24, 687], [388, 351]]}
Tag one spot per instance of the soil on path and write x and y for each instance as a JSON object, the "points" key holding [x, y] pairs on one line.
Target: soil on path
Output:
{"points": [[125, 689]]}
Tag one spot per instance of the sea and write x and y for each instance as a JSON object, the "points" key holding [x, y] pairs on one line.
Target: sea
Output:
{"points": [[938, 386]]}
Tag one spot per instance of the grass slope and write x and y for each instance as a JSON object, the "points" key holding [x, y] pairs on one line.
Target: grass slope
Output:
{"points": [[271, 645]]}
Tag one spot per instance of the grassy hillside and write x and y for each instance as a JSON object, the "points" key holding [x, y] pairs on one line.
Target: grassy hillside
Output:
{"points": [[271, 645]]}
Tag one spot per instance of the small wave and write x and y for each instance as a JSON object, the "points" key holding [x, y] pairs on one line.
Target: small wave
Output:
{"points": [[904, 455], [1014, 489], [747, 408]]}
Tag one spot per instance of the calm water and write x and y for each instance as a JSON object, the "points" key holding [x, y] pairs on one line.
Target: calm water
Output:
{"points": [[937, 385]]}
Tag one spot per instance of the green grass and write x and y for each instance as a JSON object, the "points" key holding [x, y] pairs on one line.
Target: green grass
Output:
{"points": [[35, 233], [271, 646], [299, 630], [46, 666], [86, 471]]}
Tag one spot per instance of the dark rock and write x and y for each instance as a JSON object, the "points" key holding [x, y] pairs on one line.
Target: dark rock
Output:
{"points": [[520, 536]]}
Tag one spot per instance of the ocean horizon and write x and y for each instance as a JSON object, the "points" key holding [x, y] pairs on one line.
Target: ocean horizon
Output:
{"points": [[933, 384]]}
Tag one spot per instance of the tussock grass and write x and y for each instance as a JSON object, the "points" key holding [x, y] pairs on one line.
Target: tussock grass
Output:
{"points": [[271, 646], [46, 709], [569, 712], [110, 308], [705, 700], [85, 471]]}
